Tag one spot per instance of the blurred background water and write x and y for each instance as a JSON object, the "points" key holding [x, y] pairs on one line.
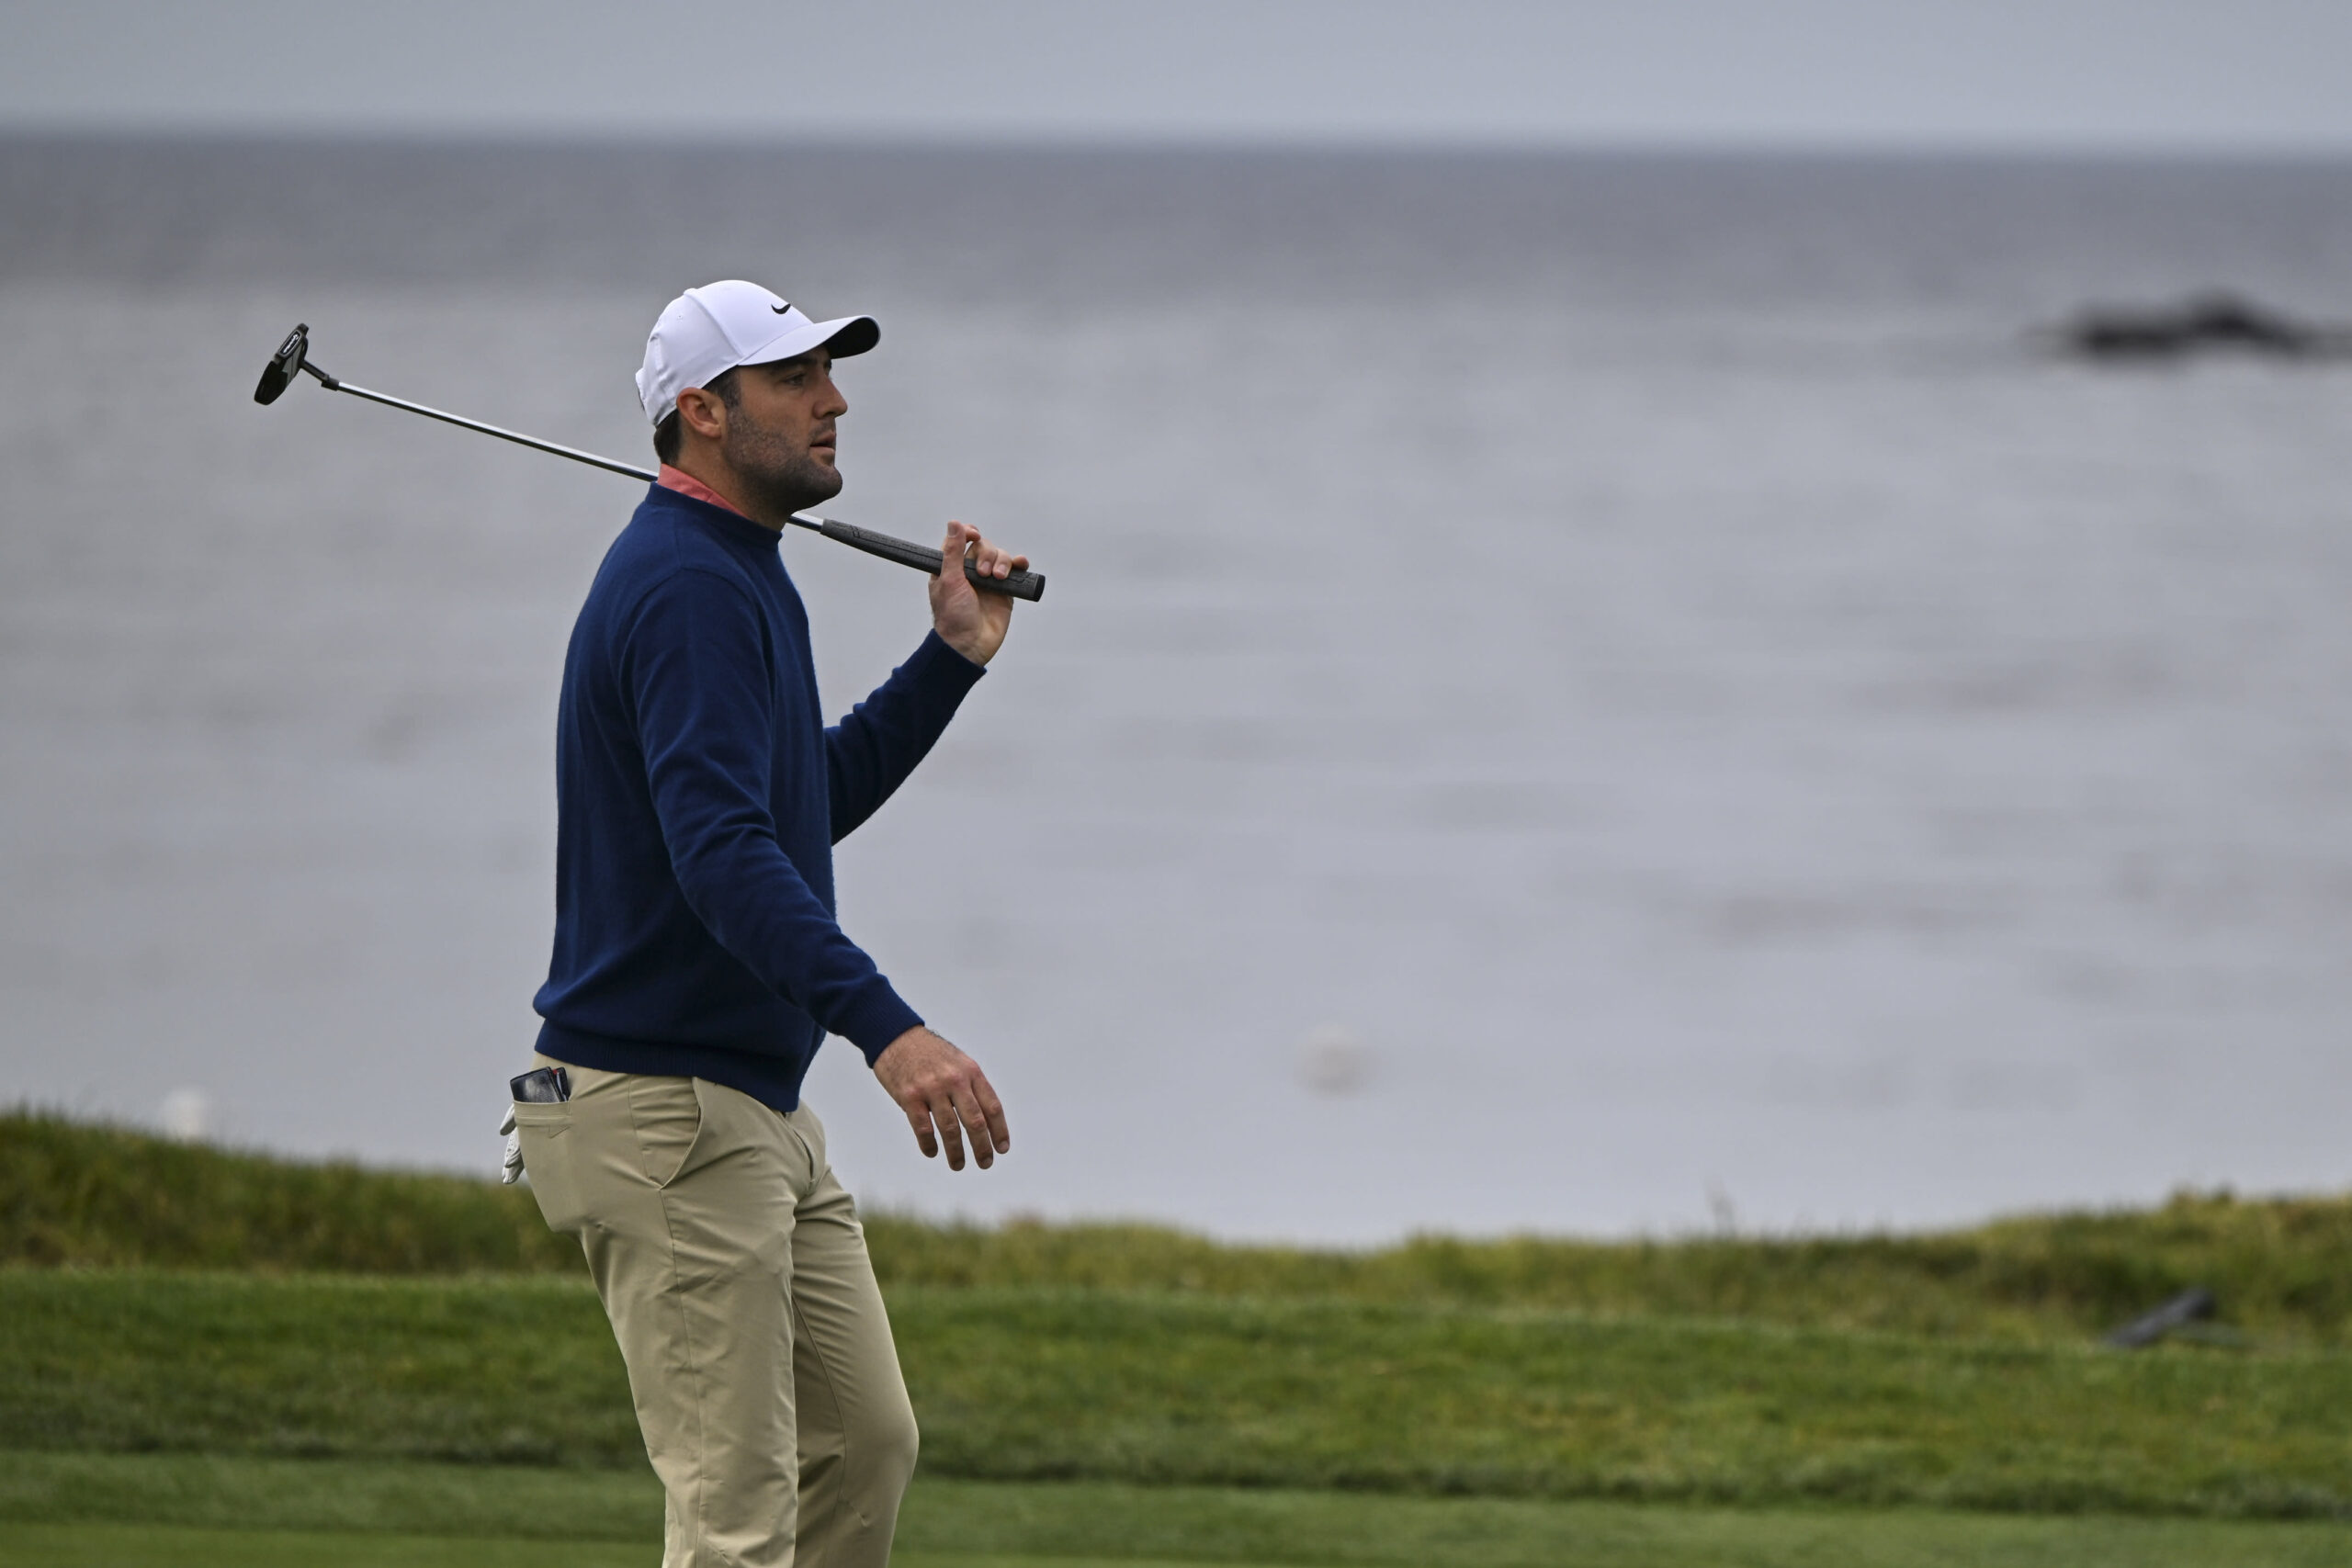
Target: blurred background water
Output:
{"points": [[1579, 693]]}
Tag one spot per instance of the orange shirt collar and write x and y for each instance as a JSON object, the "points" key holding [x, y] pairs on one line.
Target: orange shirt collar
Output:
{"points": [[686, 483]]}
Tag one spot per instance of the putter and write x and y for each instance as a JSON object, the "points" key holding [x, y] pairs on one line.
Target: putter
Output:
{"points": [[293, 358]]}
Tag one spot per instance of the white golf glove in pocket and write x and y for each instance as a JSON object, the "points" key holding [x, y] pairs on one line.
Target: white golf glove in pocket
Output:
{"points": [[511, 1170]]}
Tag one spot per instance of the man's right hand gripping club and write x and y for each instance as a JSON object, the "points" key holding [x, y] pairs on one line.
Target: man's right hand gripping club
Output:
{"points": [[944, 1095]]}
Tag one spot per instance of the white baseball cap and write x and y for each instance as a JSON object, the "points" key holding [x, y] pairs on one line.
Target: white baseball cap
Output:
{"points": [[707, 332]]}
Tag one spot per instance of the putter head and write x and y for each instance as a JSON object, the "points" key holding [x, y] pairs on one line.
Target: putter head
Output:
{"points": [[279, 374]]}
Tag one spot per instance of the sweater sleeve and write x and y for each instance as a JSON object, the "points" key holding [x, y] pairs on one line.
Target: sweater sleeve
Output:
{"points": [[694, 664], [870, 752]]}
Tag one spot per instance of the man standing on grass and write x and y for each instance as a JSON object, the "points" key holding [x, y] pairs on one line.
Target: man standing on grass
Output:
{"points": [[698, 964]]}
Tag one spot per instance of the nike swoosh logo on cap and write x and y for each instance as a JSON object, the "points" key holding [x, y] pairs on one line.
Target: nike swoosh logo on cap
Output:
{"points": [[780, 310]]}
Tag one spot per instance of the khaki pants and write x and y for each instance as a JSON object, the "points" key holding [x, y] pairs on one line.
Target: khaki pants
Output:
{"points": [[734, 1270]]}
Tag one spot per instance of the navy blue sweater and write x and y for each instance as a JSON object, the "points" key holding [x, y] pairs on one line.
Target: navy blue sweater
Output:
{"points": [[698, 797]]}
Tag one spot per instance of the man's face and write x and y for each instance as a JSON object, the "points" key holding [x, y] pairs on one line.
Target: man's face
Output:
{"points": [[780, 433]]}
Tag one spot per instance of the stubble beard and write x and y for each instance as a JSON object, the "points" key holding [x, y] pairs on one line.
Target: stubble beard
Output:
{"points": [[777, 479]]}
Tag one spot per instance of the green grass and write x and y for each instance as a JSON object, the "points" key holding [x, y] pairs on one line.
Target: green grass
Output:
{"points": [[228, 1492], [74, 1510], [79, 1195], [2281, 1266], [92, 1196], [214, 1357], [1033, 1384], [498, 1370], [161, 1546], [1166, 1388]]}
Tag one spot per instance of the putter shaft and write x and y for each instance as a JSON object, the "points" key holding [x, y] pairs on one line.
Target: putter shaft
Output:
{"points": [[516, 436], [294, 356]]}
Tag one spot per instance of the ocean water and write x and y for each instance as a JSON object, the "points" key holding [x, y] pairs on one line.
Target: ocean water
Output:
{"points": [[1593, 695]]}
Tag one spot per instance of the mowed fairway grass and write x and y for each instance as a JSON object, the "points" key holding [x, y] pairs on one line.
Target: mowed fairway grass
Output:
{"points": [[208, 1357], [245, 1513]]}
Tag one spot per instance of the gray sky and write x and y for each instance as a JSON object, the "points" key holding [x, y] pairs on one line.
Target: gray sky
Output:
{"points": [[2240, 75]]}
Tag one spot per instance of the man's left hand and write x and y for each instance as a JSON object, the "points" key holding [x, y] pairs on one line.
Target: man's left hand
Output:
{"points": [[944, 1095], [971, 621]]}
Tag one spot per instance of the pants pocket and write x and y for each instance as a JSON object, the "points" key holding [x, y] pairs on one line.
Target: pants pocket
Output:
{"points": [[668, 1117], [548, 1154]]}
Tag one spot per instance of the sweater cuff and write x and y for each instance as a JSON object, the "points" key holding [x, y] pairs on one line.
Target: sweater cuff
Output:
{"points": [[873, 1021], [935, 663]]}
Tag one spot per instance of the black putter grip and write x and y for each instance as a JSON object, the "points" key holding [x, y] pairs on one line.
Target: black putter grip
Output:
{"points": [[1030, 585]]}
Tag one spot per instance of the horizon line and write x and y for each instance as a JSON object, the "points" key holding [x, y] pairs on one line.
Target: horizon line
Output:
{"points": [[1825, 148]]}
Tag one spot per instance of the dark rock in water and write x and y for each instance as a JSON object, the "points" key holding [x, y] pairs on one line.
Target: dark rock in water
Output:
{"points": [[2210, 322], [2190, 1306]]}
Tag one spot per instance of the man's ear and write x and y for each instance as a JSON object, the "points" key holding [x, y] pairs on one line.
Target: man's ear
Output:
{"points": [[704, 412]]}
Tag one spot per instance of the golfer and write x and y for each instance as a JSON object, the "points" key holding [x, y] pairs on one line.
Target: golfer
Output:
{"points": [[698, 963]]}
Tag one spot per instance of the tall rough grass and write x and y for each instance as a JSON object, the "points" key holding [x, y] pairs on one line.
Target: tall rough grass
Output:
{"points": [[77, 1194], [94, 1196], [2283, 1268]]}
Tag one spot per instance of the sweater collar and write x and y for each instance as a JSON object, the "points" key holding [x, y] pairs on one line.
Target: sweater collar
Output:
{"points": [[674, 477], [698, 501]]}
